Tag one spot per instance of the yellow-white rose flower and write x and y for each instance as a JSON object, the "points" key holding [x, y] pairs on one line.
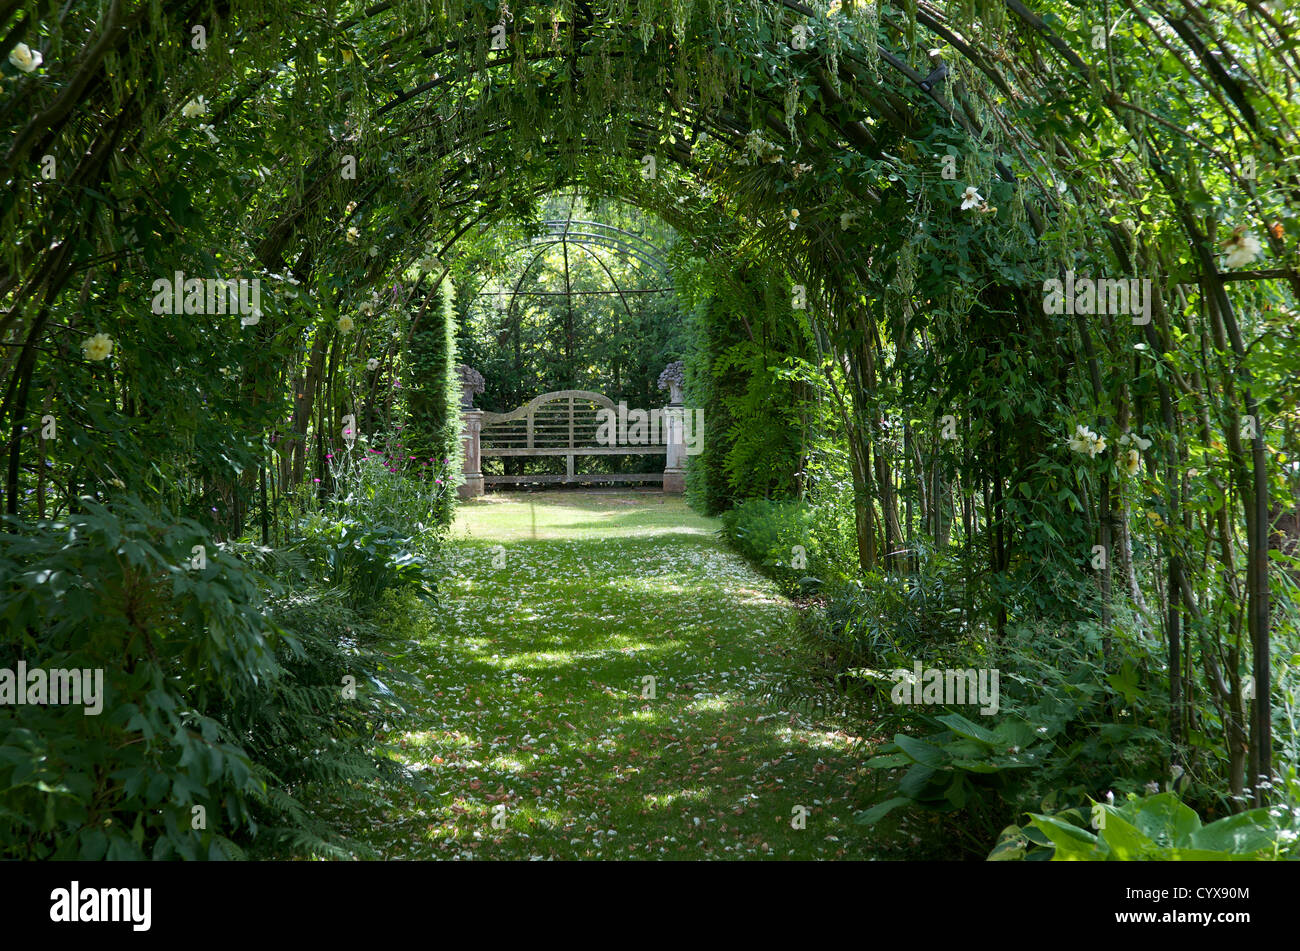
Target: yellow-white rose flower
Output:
{"points": [[1082, 438], [97, 347], [1132, 461], [1085, 440], [345, 324], [25, 58], [195, 107], [1242, 248]]}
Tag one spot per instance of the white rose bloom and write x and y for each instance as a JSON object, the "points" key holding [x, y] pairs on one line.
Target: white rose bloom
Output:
{"points": [[1132, 461], [1082, 439], [345, 324], [97, 347], [372, 364], [353, 235], [1242, 248], [970, 198], [195, 107], [25, 58]]}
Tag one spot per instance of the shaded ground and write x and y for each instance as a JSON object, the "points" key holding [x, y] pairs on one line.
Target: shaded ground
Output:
{"points": [[545, 739]]}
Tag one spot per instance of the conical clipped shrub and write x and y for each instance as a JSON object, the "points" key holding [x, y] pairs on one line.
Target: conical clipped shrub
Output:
{"points": [[752, 431], [432, 433]]}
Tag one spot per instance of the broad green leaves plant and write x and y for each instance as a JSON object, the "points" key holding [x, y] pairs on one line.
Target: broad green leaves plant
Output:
{"points": [[1158, 827]]}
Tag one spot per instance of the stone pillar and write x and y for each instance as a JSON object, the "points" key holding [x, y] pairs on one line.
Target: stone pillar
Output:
{"points": [[473, 484], [675, 469], [471, 382]]}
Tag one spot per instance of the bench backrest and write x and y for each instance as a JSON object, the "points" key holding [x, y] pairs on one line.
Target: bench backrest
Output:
{"points": [[565, 419]]}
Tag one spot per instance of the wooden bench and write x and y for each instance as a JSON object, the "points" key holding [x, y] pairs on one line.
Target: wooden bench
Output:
{"points": [[563, 423]]}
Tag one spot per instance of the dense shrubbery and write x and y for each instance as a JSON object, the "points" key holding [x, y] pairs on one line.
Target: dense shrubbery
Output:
{"points": [[317, 728], [1063, 729], [114, 590], [1067, 728], [774, 535], [754, 415], [801, 546], [237, 679]]}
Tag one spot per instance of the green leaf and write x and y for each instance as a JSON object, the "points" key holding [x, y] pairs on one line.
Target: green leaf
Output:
{"points": [[1166, 820], [870, 817], [964, 727], [915, 782], [920, 751], [1125, 841], [1072, 843], [1246, 832]]}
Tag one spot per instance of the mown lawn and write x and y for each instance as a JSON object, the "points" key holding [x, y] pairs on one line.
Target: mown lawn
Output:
{"points": [[541, 736]]}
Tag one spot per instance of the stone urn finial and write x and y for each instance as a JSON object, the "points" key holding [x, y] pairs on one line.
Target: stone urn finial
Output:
{"points": [[471, 382], [672, 380]]}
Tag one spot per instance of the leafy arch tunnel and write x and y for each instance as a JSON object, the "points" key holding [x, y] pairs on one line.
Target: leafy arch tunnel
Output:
{"points": [[909, 178]]}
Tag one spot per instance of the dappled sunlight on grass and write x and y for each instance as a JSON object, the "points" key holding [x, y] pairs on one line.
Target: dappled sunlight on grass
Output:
{"points": [[665, 800], [596, 694], [715, 704]]}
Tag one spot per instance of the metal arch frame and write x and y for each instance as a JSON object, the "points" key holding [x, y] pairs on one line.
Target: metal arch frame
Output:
{"points": [[597, 240], [620, 239], [598, 235], [595, 234]]}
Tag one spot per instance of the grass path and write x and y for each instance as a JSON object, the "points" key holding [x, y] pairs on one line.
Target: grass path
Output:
{"points": [[560, 606]]}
